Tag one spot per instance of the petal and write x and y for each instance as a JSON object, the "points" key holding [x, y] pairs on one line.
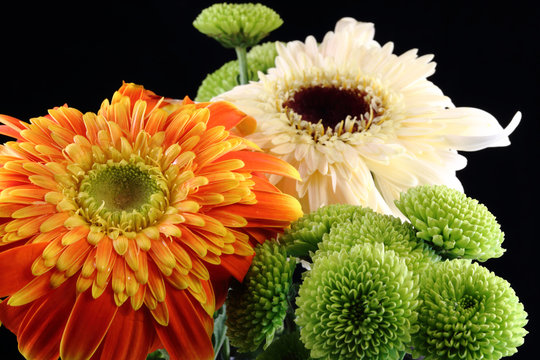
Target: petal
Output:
{"points": [[15, 267], [12, 316], [188, 334], [227, 115], [48, 316], [231, 265], [38, 287], [270, 205], [12, 126], [88, 323], [479, 142], [257, 161], [130, 335]]}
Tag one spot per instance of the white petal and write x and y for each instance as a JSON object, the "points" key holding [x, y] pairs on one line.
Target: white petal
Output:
{"points": [[479, 142]]}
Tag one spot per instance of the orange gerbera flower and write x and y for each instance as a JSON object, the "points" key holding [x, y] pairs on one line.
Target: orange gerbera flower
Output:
{"points": [[120, 230]]}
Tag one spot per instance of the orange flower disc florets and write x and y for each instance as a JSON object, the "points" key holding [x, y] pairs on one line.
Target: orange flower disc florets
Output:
{"points": [[135, 217]]}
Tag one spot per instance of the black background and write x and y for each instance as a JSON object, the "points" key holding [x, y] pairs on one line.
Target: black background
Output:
{"points": [[487, 57]]}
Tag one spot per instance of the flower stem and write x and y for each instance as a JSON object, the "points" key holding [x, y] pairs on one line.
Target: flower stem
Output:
{"points": [[241, 53]]}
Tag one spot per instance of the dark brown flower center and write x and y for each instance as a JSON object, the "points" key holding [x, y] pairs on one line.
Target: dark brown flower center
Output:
{"points": [[329, 104]]}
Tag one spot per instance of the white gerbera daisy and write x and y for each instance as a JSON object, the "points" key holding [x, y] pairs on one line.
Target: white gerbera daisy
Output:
{"points": [[360, 123]]}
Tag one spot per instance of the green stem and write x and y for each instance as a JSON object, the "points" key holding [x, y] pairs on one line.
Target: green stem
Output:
{"points": [[403, 355], [241, 53]]}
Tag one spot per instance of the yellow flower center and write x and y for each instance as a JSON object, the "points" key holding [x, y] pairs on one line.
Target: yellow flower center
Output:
{"points": [[122, 195]]}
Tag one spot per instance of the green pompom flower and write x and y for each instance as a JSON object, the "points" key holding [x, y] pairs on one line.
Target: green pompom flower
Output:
{"points": [[467, 313], [257, 307], [357, 304], [259, 58], [304, 235], [456, 225], [237, 25], [286, 347], [378, 228]]}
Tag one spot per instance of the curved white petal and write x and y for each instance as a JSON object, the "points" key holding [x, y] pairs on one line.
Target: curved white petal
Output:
{"points": [[479, 142]]}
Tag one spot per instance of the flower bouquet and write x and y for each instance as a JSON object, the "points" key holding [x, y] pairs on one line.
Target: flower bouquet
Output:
{"points": [[304, 205]]}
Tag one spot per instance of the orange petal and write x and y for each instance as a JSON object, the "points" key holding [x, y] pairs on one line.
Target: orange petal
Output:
{"points": [[226, 114], [87, 325], [72, 254], [35, 289], [271, 206], [227, 218], [160, 312], [53, 222], [162, 256], [210, 304], [69, 118], [104, 253], [129, 337], [13, 123], [118, 282], [156, 285], [12, 316], [236, 265], [193, 241], [258, 161], [188, 334], [15, 267], [47, 316]]}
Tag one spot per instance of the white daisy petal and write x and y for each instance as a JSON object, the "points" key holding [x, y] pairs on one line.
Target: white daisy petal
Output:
{"points": [[360, 123], [479, 142]]}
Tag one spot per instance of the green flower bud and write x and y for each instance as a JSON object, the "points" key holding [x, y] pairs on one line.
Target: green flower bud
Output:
{"points": [[378, 228], [454, 224], [257, 307], [304, 235], [237, 25], [357, 304], [467, 313]]}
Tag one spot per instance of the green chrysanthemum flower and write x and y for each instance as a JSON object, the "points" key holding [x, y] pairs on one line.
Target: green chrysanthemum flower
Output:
{"points": [[257, 307], [456, 225], [237, 25], [286, 347], [304, 235], [259, 58], [357, 304], [468, 313], [378, 228]]}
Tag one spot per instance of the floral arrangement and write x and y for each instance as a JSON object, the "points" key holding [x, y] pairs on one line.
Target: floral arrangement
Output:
{"points": [[304, 205]]}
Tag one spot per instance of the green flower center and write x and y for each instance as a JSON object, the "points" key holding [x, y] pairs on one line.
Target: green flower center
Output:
{"points": [[121, 188], [468, 302], [126, 196], [358, 311]]}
